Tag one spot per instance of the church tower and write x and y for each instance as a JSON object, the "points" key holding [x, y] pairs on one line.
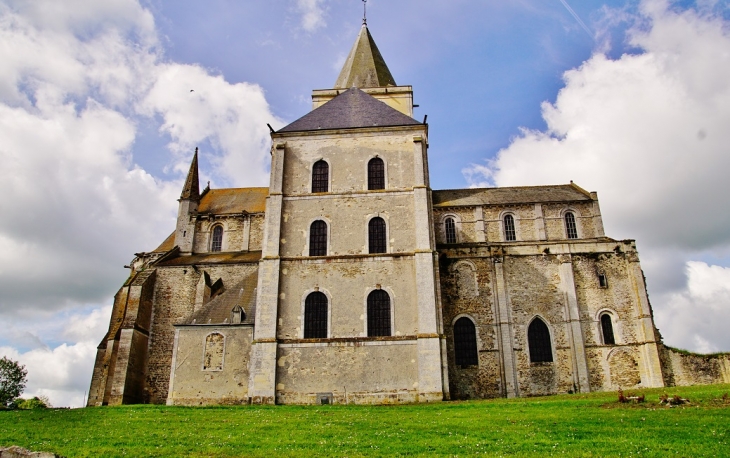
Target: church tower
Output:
{"points": [[348, 306]]}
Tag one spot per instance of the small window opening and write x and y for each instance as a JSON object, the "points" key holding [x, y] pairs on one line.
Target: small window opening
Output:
{"points": [[377, 239], [570, 228], [318, 238], [217, 242], [538, 339], [320, 176], [509, 228], [376, 174], [450, 227], [607, 328], [602, 281]]}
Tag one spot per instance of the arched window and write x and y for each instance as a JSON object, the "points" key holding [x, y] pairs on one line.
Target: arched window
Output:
{"points": [[376, 174], [538, 338], [315, 316], [465, 342], [318, 238], [217, 241], [450, 229], [214, 350], [607, 328], [377, 240], [320, 176], [570, 228], [509, 228], [378, 313]]}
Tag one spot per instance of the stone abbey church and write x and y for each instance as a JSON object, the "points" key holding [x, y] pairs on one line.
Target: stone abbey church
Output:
{"points": [[349, 280]]}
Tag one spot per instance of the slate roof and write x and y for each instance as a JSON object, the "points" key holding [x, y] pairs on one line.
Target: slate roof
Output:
{"points": [[365, 66], [218, 310], [191, 190], [233, 200], [351, 109], [511, 195], [233, 257]]}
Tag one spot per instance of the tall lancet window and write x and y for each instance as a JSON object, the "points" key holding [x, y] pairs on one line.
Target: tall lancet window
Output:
{"points": [[376, 174], [378, 314], [509, 228], [318, 238], [538, 339], [571, 230], [315, 316], [607, 328], [216, 243], [450, 229], [377, 239], [320, 176], [465, 342]]}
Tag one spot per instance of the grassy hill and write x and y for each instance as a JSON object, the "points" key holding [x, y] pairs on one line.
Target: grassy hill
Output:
{"points": [[594, 424]]}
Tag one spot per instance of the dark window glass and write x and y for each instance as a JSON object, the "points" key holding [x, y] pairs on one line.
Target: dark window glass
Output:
{"points": [[320, 177], [602, 281], [607, 328], [217, 243], [376, 174], [465, 342], [538, 337], [450, 227], [377, 241], [378, 313], [318, 238], [315, 316], [509, 228], [570, 228]]}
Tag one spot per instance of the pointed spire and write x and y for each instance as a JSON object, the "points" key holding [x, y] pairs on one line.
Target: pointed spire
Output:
{"points": [[191, 191], [365, 66]]}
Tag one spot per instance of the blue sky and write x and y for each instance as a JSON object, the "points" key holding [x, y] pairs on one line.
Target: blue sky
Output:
{"points": [[99, 125]]}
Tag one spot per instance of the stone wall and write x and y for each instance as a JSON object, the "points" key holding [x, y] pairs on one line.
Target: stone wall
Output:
{"points": [[683, 368]]}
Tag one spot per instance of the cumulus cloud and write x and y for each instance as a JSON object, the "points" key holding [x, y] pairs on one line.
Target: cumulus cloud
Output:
{"points": [[648, 131], [313, 14]]}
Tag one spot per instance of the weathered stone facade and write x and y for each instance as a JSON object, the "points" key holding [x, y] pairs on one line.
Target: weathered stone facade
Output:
{"points": [[348, 280]]}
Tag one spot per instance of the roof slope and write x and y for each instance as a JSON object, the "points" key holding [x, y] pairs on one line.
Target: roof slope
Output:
{"points": [[513, 195], [191, 190], [365, 66], [233, 200], [351, 109], [218, 310]]}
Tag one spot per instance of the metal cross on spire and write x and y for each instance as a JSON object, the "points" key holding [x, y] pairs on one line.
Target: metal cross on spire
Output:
{"points": [[365, 12]]}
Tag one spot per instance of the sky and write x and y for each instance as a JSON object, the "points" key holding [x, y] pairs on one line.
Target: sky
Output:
{"points": [[103, 103]]}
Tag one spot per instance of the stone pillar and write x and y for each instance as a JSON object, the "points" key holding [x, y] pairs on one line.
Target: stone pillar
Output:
{"points": [[597, 218], [173, 366], [245, 244], [575, 331], [479, 224], [262, 378], [540, 223], [651, 370], [504, 326]]}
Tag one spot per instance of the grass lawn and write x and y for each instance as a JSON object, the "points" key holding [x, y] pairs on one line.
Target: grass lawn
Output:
{"points": [[574, 425]]}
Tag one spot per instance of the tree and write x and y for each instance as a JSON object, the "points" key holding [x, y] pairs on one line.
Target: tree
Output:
{"points": [[12, 380]]}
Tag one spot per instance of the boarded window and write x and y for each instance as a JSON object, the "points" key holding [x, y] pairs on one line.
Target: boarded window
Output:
{"points": [[570, 228], [320, 177], [450, 228], [376, 174], [315, 316], [377, 240], [509, 228], [213, 357], [466, 280], [378, 313], [318, 238], [217, 241], [538, 338], [607, 328], [465, 342]]}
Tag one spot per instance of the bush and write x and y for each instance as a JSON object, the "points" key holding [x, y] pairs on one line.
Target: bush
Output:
{"points": [[32, 403], [12, 380]]}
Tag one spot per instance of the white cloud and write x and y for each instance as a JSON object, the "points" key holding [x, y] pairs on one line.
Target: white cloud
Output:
{"points": [[313, 14], [649, 132]]}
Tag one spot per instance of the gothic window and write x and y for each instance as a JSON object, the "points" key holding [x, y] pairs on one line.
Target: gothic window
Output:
{"points": [[377, 239], [450, 229], [570, 228], [315, 316], [509, 228], [607, 329], [378, 313], [217, 241], [318, 238], [213, 357], [376, 174], [538, 338], [465, 342], [320, 176]]}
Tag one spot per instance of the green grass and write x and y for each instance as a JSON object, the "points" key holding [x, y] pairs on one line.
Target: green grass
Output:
{"points": [[574, 425]]}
